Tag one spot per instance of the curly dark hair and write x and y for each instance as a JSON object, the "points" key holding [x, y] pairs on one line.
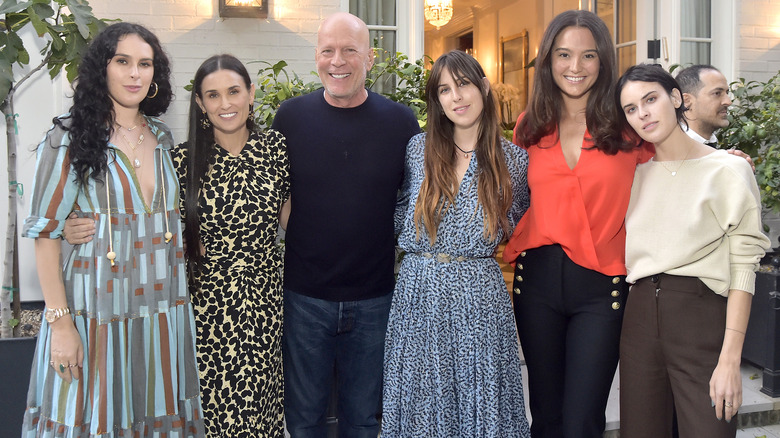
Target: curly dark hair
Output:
{"points": [[92, 114], [201, 146]]}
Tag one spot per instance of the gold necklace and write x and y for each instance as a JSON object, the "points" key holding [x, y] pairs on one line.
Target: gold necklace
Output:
{"points": [[674, 172], [136, 161]]}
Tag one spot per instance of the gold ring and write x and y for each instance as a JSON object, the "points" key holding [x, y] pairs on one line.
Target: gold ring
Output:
{"points": [[729, 404], [62, 368], [71, 365]]}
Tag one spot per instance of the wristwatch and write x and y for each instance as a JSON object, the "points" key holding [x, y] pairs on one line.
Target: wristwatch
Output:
{"points": [[52, 315]]}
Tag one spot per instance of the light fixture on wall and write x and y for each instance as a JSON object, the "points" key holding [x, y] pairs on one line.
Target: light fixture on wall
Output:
{"points": [[438, 12], [243, 8]]}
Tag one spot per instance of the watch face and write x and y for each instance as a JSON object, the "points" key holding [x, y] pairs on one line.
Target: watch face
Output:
{"points": [[49, 315]]}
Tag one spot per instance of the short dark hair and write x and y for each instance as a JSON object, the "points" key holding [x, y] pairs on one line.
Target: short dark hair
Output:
{"points": [[649, 73], [689, 78]]}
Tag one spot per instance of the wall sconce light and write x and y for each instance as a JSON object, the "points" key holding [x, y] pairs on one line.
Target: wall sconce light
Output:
{"points": [[243, 8], [438, 12]]}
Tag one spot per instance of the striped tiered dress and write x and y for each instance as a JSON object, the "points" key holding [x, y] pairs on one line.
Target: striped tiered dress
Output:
{"points": [[135, 318]]}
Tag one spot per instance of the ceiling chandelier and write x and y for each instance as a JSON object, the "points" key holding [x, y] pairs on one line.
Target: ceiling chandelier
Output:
{"points": [[438, 12]]}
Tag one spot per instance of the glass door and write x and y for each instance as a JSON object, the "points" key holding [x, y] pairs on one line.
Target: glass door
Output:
{"points": [[621, 19], [670, 32]]}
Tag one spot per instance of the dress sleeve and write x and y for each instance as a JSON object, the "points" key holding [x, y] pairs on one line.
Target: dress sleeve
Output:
{"points": [[517, 165], [402, 202], [282, 161], [55, 187]]}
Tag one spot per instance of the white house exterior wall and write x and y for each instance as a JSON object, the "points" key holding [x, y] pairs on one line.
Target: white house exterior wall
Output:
{"points": [[759, 39], [190, 31]]}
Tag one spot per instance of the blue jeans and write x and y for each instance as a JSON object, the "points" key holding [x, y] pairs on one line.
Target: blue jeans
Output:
{"points": [[320, 336]]}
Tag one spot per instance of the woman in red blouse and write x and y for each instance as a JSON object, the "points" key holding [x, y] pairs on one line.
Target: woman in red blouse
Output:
{"points": [[568, 249]]}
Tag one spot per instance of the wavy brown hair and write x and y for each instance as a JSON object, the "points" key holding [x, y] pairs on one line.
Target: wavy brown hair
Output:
{"points": [[544, 110], [440, 185]]}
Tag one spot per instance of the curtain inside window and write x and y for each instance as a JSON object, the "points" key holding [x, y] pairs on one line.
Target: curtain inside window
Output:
{"points": [[379, 13], [695, 25]]}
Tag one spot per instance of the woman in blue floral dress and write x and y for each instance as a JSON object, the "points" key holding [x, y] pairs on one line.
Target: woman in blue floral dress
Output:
{"points": [[452, 363]]}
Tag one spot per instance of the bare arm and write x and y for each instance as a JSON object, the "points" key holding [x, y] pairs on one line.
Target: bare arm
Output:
{"points": [[284, 214], [726, 381], [66, 346]]}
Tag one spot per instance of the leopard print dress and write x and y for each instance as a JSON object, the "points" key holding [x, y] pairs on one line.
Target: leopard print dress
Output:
{"points": [[237, 295]]}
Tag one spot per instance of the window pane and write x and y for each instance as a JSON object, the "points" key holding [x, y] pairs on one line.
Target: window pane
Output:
{"points": [[384, 42], [626, 21], [606, 11], [693, 52], [626, 57], [374, 12], [696, 18], [379, 13]]}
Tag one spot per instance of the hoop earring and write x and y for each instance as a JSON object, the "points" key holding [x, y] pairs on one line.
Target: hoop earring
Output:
{"points": [[204, 122], [156, 89]]}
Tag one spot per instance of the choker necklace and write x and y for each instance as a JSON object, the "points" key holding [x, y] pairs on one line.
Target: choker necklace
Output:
{"points": [[465, 153], [136, 161], [674, 172]]}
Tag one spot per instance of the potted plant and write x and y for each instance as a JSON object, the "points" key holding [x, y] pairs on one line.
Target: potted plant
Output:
{"points": [[66, 26]]}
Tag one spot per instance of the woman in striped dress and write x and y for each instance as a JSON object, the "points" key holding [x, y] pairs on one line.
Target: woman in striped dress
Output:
{"points": [[115, 356]]}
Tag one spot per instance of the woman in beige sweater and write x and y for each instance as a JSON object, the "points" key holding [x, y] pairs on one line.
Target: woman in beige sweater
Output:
{"points": [[693, 244]]}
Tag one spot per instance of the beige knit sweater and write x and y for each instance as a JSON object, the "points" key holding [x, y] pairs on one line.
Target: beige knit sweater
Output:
{"points": [[703, 222]]}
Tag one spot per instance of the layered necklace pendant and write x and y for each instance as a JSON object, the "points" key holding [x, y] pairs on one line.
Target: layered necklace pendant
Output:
{"points": [[136, 160], [133, 146]]}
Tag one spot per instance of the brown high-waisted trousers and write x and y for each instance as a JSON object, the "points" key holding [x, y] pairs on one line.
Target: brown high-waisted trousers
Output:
{"points": [[672, 336]]}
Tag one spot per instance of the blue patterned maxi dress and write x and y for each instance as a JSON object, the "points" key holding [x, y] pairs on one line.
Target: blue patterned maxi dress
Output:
{"points": [[452, 363], [139, 376]]}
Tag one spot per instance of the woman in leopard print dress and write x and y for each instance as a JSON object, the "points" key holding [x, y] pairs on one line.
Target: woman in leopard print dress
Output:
{"points": [[234, 182]]}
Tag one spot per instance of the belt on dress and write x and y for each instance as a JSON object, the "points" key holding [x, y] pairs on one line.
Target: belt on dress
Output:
{"points": [[447, 258]]}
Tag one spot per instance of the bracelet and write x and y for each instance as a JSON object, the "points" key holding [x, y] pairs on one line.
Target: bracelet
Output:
{"points": [[735, 330]]}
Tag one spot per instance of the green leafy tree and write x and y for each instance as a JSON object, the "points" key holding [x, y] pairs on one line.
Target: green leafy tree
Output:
{"points": [[274, 86], [404, 82], [67, 26], [754, 127]]}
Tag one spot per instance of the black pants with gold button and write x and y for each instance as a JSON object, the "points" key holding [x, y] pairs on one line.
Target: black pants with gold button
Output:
{"points": [[568, 318]]}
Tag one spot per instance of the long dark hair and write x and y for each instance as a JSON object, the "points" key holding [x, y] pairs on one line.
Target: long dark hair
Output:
{"points": [[544, 110], [201, 146], [92, 114], [440, 185]]}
